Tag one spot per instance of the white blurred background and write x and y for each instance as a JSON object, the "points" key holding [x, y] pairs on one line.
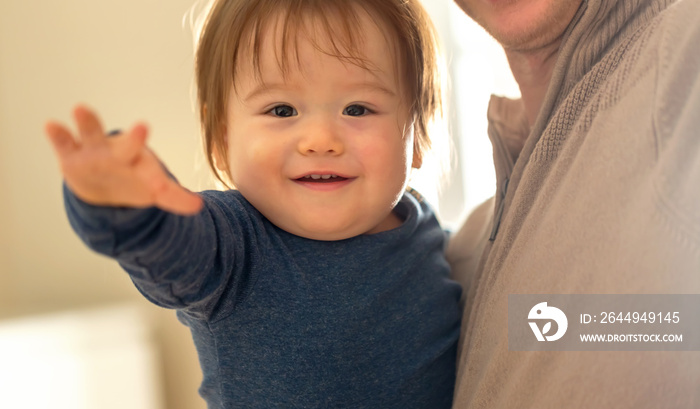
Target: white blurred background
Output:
{"points": [[74, 333]]}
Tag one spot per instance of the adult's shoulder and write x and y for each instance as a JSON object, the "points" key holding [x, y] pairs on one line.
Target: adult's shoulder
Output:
{"points": [[679, 59], [676, 175]]}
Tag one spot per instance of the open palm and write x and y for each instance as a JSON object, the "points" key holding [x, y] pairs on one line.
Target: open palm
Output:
{"points": [[118, 170]]}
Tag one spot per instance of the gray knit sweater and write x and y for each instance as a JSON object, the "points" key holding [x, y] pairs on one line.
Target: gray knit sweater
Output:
{"points": [[604, 198]]}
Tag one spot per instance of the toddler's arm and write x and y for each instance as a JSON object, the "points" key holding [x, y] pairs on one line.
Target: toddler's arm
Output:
{"points": [[116, 171], [122, 203]]}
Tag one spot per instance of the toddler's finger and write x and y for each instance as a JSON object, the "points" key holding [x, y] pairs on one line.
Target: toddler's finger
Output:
{"points": [[127, 148], [60, 138], [89, 126]]}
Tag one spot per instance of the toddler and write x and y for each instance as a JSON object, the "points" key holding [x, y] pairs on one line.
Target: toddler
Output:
{"points": [[320, 281]]}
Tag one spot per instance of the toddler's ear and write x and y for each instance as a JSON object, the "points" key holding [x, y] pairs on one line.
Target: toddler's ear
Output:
{"points": [[417, 157]]}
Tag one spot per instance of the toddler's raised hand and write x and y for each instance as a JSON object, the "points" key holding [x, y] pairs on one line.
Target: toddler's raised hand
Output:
{"points": [[116, 171]]}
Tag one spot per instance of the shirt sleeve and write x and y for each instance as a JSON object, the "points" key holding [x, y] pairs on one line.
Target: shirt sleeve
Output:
{"points": [[179, 262]]}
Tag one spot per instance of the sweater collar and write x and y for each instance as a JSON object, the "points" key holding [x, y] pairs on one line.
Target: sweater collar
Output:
{"points": [[596, 28]]}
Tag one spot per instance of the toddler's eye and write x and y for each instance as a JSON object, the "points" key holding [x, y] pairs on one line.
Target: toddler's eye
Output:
{"points": [[283, 111], [356, 110]]}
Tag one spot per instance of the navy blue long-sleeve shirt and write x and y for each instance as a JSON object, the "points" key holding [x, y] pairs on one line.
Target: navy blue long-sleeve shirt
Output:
{"points": [[281, 321]]}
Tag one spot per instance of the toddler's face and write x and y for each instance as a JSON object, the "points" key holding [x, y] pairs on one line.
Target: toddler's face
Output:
{"points": [[324, 152]]}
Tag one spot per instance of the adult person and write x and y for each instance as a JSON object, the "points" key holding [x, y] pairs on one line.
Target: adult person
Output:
{"points": [[598, 170]]}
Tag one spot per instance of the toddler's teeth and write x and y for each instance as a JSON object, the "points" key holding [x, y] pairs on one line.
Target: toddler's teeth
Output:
{"points": [[320, 177]]}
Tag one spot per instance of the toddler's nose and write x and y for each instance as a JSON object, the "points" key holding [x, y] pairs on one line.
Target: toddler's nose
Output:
{"points": [[321, 139]]}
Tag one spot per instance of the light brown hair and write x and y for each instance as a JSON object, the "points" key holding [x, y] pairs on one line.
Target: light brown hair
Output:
{"points": [[235, 26]]}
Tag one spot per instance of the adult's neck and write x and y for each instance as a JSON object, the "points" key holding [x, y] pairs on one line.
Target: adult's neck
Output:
{"points": [[532, 70]]}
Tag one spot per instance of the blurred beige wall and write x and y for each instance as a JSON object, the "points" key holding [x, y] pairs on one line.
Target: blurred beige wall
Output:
{"points": [[130, 60]]}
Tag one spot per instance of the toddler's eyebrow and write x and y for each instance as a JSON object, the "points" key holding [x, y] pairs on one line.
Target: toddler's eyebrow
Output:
{"points": [[264, 88], [374, 86]]}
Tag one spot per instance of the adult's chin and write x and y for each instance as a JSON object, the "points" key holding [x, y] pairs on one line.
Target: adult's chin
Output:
{"points": [[522, 25]]}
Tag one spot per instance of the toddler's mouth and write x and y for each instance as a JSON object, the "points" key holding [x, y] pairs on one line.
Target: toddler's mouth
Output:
{"points": [[318, 178]]}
